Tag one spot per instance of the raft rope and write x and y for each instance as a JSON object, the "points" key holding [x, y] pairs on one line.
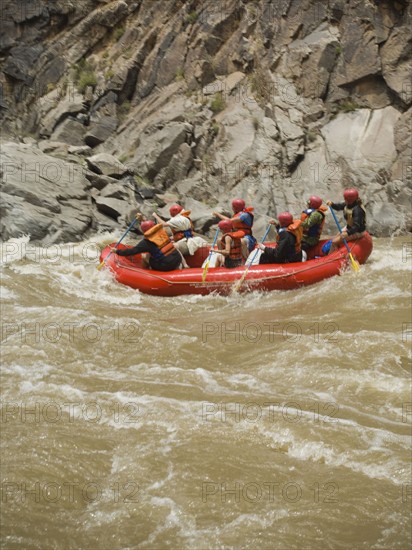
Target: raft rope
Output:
{"points": [[221, 283]]}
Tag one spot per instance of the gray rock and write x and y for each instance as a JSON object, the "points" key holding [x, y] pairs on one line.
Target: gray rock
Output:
{"points": [[100, 131], [108, 165], [99, 181], [116, 191], [71, 104], [70, 131], [156, 151], [55, 147], [83, 150], [19, 64], [37, 190], [396, 63], [113, 208]]}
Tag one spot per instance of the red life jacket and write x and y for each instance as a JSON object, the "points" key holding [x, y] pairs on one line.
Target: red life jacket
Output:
{"points": [[297, 230], [158, 236], [239, 224], [235, 245]]}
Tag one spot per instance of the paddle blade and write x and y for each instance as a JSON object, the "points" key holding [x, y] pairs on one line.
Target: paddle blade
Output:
{"points": [[238, 284], [101, 264], [205, 271], [354, 263]]}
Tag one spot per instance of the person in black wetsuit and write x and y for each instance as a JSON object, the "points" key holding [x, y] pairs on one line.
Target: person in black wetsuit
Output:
{"points": [[289, 240], [162, 255], [355, 217]]}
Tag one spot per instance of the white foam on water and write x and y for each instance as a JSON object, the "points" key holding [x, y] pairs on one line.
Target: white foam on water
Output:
{"points": [[176, 517], [7, 295], [240, 382], [36, 372], [61, 390], [209, 383], [262, 520], [91, 285], [362, 461], [159, 484], [392, 259]]}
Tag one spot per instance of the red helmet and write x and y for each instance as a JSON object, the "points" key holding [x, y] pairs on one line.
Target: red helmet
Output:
{"points": [[225, 226], [314, 201], [238, 205], [175, 209], [285, 219], [145, 226], [350, 195]]}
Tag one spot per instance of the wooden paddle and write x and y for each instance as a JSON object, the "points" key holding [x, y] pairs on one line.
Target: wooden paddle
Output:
{"points": [[101, 264], [354, 263], [239, 283]]}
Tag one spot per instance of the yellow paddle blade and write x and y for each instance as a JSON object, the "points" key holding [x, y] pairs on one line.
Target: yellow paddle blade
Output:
{"points": [[355, 265], [101, 264], [205, 271], [239, 283]]}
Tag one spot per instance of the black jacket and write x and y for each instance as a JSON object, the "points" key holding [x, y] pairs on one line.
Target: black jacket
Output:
{"points": [[167, 263], [284, 253], [358, 217]]}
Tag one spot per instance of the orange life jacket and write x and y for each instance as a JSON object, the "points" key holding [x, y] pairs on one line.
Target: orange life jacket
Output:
{"points": [[316, 229], [297, 230], [239, 224], [235, 245], [158, 236]]}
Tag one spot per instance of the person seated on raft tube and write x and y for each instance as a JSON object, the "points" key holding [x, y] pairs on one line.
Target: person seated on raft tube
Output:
{"points": [[313, 220], [162, 254], [182, 229], [355, 216], [242, 220], [229, 246], [289, 238]]}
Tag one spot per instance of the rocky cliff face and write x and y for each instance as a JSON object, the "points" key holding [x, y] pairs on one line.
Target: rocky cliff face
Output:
{"points": [[138, 103]]}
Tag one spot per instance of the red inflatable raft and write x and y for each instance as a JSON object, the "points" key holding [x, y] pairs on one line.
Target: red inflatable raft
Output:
{"points": [[128, 271]]}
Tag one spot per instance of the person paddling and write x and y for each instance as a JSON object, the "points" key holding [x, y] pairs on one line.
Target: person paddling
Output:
{"points": [[313, 220], [289, 238], [229, 246], [182, 229], [355, 216], [242, 220], [158, 250]]}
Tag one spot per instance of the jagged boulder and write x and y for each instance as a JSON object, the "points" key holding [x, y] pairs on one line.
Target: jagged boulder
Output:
{"points": [[108, 165], [43, 196], [157, 149]]}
